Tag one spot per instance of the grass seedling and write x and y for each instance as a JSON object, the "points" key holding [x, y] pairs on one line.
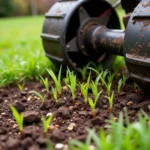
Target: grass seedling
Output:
{"points": [[57, 80], [67, 79], [124, 79], [73, 83], [45, 83], [94, 70], [111, 77], [46, 123], [19, 119], [94, 89], [20, 86], [54, 91], [84, 91], [93, 103], [98, 78], [120, 83], [103, 77], [84, 71], [108, 87], [136, 87], [110, 99], [39, 95]]}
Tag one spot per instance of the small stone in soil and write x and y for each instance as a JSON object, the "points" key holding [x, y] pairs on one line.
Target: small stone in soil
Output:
{"points": [[63, 112], [71, 126], [129, 103], [31, 116], [23, 93], [29, 98], [59, 146], [52, 127], [49, 114], [83, 113]]}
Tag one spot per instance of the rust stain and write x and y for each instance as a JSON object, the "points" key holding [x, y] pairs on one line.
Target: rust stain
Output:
{"points": [[49, 27], [147, 4]]}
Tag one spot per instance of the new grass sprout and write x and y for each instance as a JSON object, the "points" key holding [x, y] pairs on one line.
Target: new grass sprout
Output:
{"points": [[124, 79], [57, 80], [84, 88], [103, 77], [108, 88], [84, 91], [94, 70], [93, 103], [46, 123], [45, 83], [67, 79], [55, 95], [110, 77], [39, 95], [120, 83], [110, 100], [18, 117], [20, 86], [98, 78], [94, 89], [73, 83], [84, 71]]}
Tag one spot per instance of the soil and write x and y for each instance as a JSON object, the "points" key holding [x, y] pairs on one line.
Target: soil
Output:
{"points": [[71, 117]]}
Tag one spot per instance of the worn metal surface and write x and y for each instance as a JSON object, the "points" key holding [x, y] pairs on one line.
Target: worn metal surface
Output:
{"points": [[62, 24], [137, 45], [100, 39]]}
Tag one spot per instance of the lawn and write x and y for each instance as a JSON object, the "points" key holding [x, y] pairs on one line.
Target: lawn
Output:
{"points": [[22, 55]]}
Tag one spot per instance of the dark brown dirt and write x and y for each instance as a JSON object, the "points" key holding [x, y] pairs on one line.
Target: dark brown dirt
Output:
{"points": [[71, 117]]}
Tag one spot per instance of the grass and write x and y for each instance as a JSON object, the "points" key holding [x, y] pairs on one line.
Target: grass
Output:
{"points": [[132, 137], [21, 51], [18, 117]]}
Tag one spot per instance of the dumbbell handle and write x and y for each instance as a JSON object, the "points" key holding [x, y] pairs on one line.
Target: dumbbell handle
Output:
{"points": [[100, 39]]}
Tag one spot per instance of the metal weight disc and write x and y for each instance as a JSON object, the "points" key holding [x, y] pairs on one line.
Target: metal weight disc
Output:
{"points": [[137, 45], [61, 26]]}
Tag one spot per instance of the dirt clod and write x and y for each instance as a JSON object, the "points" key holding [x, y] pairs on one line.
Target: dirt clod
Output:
{"points": [[27, 142], [12, 144], [19, 106], [63, 112], [31, 116], [97, 121], [57, 135]]}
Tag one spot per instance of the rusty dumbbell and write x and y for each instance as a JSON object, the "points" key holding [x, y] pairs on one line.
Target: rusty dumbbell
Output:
{"points": [[78, 31]]}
